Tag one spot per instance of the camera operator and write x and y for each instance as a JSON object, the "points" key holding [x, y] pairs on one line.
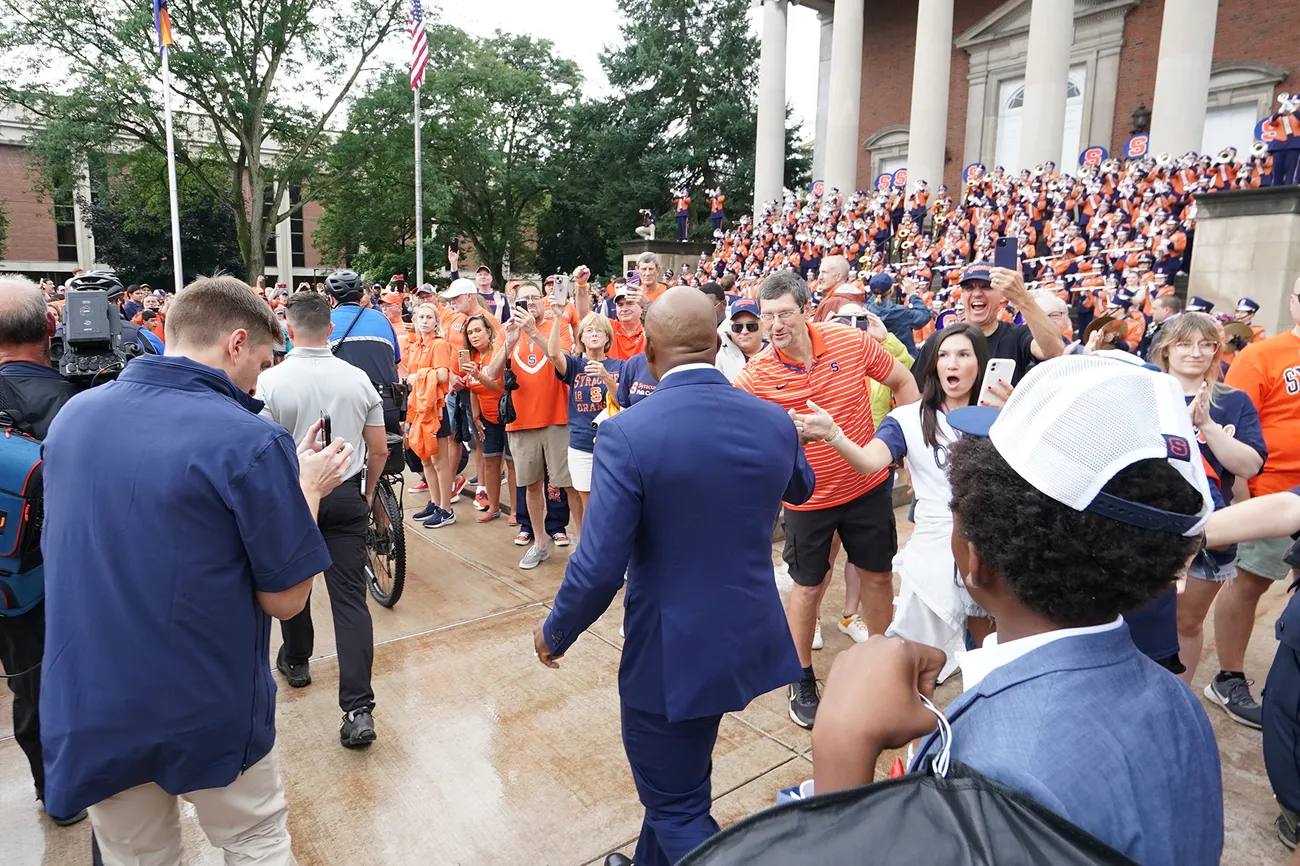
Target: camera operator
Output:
{"points": [[309, 382], [107, 281], [31, 394], [366, 340]]}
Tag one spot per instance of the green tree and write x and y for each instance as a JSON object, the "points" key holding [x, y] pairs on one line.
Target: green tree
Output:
{"points": [[494, 112], [686, 73], [130, 216], [256, 82]]}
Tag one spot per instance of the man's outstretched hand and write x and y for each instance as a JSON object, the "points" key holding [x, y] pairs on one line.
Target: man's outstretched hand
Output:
{"points": [[539, 646]]}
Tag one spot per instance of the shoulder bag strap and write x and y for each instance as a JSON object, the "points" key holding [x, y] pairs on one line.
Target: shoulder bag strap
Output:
{"points": [[335, 348]]}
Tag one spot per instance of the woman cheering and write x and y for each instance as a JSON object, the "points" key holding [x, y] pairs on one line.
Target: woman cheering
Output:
{"points": [[933, 605]]}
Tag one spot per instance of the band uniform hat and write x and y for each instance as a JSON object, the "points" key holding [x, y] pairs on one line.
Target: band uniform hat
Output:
{"points": [[1246, 305], [1199, 305]]}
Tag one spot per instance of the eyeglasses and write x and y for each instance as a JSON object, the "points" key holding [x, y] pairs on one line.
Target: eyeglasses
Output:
{"points": [[1205, 346], [741, 327], [783, 315]]}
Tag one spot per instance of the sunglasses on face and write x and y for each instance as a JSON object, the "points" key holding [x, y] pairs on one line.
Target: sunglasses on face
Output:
{"points": [[741, 327]]}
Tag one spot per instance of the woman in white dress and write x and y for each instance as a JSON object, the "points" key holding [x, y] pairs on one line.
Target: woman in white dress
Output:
{"points": [[933, 606]]}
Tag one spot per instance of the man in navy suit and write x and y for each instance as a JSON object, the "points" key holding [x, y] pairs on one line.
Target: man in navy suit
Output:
{"points": [[706, 632]]}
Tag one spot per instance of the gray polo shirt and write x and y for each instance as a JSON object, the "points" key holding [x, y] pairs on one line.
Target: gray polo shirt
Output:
{"points": [[310, 381]]}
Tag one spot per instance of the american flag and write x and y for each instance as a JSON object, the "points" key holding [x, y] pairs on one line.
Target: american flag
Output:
{"points": [[419, 44]]}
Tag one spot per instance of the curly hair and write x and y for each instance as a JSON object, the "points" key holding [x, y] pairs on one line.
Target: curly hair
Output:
{"points": [[1076, 568]]}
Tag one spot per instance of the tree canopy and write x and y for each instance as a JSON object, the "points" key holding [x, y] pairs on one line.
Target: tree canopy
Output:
{"points": [[257, 81]]}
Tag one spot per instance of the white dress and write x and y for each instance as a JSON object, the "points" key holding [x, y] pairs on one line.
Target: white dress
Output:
{"points": [[932, 605]]}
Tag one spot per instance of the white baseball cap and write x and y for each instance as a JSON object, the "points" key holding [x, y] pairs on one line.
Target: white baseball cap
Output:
{"points": [[460, 286], [1073, 423]]}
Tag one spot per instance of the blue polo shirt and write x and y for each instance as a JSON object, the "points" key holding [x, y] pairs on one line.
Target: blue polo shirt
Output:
{"points": [[157, 655], [635, 381]]}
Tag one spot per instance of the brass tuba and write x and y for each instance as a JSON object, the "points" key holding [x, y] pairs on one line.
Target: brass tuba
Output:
{"points": [[1165, 160]]}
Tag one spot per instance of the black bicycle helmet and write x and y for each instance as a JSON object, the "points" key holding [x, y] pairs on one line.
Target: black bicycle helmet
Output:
{"points": [[102, 281], [343, 286]]}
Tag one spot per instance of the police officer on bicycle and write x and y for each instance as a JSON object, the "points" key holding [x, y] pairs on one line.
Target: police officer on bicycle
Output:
{"points": [[365, 339]]}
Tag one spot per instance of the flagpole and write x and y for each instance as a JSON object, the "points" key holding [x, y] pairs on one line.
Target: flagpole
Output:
{"points": [[177, 271], [419, 203]]}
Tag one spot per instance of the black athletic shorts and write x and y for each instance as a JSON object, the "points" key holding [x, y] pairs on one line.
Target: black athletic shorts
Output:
{"points": [[866, 527]]}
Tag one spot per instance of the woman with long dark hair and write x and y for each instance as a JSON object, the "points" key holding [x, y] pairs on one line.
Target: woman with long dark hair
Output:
{"points": [[933, 607]]}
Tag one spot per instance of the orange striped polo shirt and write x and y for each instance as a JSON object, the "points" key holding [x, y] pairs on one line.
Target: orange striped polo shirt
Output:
{"points": [[844, 359]]}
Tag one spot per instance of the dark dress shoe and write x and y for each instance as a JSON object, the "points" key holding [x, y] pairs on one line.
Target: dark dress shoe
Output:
{"points": [[69, 820], [357, 730], [297, 675], [618, 860]]}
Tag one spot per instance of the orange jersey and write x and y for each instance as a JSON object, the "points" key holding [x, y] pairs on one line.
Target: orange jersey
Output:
{"points": [[844, 359], [542, 399], [626, 345], [1269, 373], [489, 399]]}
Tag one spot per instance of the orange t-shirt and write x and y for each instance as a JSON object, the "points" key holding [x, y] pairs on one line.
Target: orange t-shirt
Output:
{"points": [[453, 327], [489, 399], [430, 352], [625, 345], [652, 294], [1269, 373], [844, 359], [542, 399]]}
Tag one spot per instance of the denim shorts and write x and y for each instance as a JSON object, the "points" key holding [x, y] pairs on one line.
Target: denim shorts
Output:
{"points": [[494, 437], [1222, 571]]}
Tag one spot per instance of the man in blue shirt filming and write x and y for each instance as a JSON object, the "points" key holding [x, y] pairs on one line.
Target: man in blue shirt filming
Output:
{"points": [[178, 626]]}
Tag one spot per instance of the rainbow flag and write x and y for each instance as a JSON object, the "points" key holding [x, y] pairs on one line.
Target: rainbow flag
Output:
{"points": [[162, 22]]}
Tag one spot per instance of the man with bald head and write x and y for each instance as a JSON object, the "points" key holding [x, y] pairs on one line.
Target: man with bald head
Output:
{"points": [[690, 587], [31, 394]]}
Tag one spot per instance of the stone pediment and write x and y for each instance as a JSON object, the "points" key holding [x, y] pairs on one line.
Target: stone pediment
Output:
{"points": [[1012, 19]]}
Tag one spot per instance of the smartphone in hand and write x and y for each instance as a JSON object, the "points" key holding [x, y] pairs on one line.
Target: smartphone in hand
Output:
{"points": [[326, 432], [562, 290], [1006, 253]]}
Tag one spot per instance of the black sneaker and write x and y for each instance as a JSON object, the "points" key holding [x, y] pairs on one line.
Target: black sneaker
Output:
{"points": [[1234, 696], [297, 675], [804, 700], [1286, 827], [357, 730]]}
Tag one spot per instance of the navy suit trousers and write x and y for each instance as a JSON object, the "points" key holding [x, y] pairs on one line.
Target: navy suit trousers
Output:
{"points": [[672, 765], [1282, 727]]}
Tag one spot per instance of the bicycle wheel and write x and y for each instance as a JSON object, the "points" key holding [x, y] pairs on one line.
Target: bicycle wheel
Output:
{"points": [[386, 546]]}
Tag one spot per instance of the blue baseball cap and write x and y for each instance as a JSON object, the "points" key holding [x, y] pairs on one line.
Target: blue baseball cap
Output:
{"points": [[976, 271], [744, 305], [880, 283]]}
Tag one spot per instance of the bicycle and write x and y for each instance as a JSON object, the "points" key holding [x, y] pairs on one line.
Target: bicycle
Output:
{"points": [[386, 544]]}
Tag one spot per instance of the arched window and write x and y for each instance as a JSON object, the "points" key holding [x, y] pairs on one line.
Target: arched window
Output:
{"points": [[1011, 104]]}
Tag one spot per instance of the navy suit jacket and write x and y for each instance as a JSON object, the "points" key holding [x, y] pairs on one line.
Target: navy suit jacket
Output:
{"points": [[1097, 732], [685, 489]]}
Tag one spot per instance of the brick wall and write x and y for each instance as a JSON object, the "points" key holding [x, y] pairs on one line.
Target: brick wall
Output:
{"points": [[1245, 31], [310, 221], [31, 235]]}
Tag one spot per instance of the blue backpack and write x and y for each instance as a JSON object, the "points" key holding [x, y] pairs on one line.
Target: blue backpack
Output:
{"points": [[22, 569]]}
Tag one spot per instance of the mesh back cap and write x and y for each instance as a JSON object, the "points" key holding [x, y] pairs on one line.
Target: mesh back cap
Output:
{"points": [[1073, 423]]}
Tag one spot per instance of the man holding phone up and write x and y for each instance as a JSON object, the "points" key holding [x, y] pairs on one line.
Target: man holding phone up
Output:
{"points": [[983, 290], [310, 383]]}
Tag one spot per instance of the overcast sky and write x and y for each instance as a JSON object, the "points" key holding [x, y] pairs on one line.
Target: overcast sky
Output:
{"points": [[580, 28]]}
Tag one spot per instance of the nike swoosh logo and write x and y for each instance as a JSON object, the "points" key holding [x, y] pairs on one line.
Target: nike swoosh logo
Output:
{"points": [[781, 387]]}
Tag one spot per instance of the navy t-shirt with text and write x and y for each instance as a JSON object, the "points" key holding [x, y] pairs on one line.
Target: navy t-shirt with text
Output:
{"points": [[586, 399], [635, 381]]}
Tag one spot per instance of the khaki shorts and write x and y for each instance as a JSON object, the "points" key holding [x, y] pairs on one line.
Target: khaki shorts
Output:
{"points": [[536, 452], [1265, 557]]}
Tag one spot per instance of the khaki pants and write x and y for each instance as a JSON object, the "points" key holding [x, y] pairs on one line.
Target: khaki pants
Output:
{"points": [[247, 819]]}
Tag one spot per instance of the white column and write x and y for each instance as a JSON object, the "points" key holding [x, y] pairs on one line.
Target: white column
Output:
{"points": [[1183, 76], [769, 150], [823, 94], [928, 123], [845, 98], [1047, 71], [284, 242], [85, 238]]}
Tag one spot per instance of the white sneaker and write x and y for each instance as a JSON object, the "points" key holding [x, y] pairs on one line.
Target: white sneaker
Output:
{"points": [[855, 628], [818, 643]]}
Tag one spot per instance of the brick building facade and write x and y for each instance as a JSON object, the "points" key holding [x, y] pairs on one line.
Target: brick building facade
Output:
{"points": [[1256, 56], [49, 239]]}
